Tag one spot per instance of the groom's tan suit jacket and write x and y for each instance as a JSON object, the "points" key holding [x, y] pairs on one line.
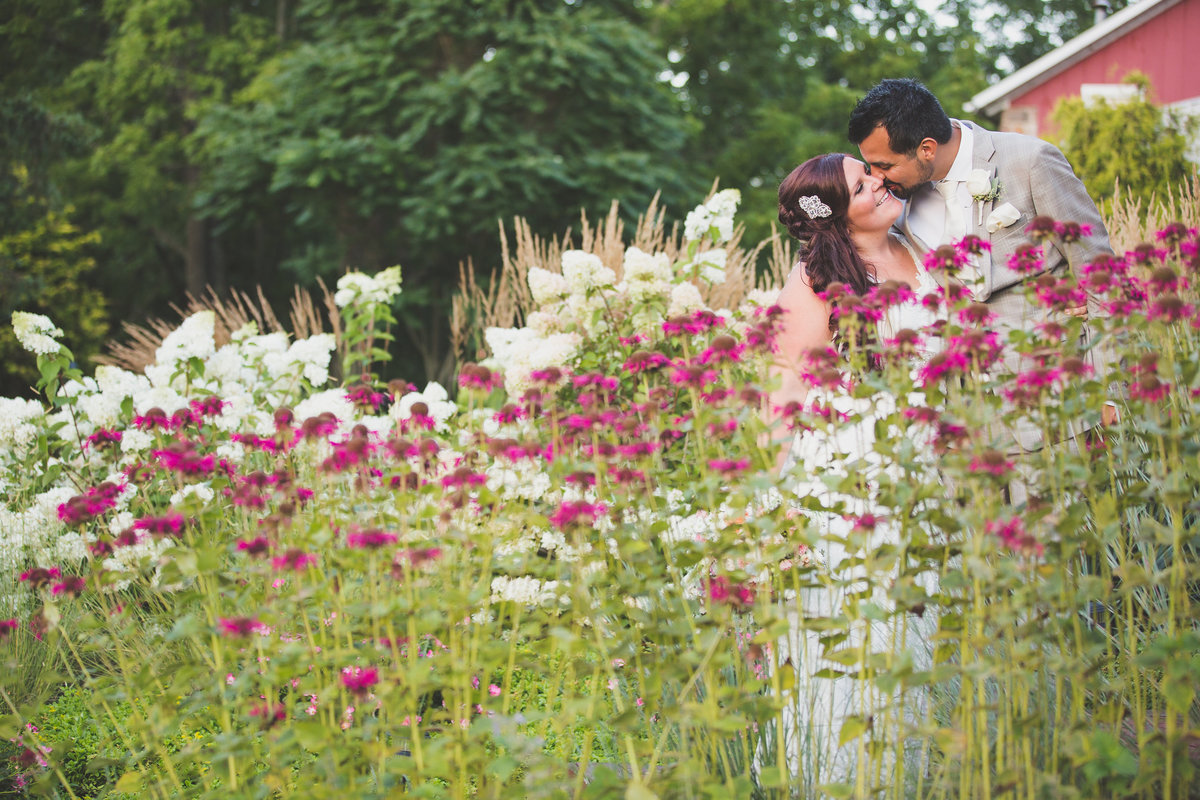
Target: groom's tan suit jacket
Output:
{"points": [[1036, 179]]}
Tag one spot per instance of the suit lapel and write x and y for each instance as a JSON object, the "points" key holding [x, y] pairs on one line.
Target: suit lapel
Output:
{"points": [[983, 156]]}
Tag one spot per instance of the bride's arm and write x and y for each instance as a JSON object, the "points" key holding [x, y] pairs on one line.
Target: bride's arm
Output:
{"points": [[805, 325]]}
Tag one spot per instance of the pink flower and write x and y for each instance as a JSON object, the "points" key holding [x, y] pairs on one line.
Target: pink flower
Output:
{"points": [[1071, 232], [1027, 259], [183, 457], [493, 690], [644, 361], [208, 407], [359, 680], [7, 626], [239, 627], [294, 559], [1169, 308], [370, 539], [723, 590], [991, 462], [168, 524], [1014, 536], [256, 547], [40, 576], [726, 466], [572, 513], [72, 585], [723, 348], [696, 376], [103, 438], [479, 377]]}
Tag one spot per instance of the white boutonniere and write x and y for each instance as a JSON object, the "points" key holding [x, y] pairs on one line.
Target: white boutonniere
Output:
{"points": [[1002, 217], [983, 188]]}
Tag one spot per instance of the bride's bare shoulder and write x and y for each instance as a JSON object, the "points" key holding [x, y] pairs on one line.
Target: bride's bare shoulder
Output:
{"points": [[796, 287]]}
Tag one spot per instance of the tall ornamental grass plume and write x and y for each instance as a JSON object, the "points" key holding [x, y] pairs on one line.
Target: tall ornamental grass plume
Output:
{"points": [[578, 573]]}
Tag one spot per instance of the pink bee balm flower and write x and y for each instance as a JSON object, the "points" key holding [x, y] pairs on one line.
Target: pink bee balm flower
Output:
{"points": [[572, 513], [168, 524], [208, 407], [1014, 536], [72, 585], [992, 462], [728, 466], [370, 540], [238, 627], [294, 559], [360, 680]]}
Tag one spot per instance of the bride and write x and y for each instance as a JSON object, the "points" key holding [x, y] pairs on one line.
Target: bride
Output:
{"points": [[842, 216]]}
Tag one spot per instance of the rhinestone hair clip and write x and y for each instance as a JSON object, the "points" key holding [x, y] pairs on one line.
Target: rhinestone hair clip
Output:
{"points": [[811, 204]]}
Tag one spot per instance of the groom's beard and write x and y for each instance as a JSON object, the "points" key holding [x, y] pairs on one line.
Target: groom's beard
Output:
{"points": [[924, 176]]}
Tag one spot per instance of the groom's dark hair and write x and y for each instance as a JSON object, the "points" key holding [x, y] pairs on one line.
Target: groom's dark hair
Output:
{"points": [[906, 109]]}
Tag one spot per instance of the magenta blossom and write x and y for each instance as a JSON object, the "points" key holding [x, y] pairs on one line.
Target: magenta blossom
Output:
{"points": [[722, 590], [208, 407], [103, 438], [572, 513], [294, 559], [239, 627], [256, 547], [40, 576], [992, 462], [166, 525], [729, 466], [370, 539], [1014, 536], [72, 585], [359, 681], [7, 626]]}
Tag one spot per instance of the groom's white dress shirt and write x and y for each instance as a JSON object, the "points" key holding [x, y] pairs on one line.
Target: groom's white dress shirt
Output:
{"points": [[927, 220]]}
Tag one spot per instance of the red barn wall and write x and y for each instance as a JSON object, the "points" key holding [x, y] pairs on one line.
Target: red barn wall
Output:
{"points": [[1160, 48]]}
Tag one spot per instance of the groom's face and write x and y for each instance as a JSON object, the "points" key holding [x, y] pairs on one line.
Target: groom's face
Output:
{"points": [[903, 174]]}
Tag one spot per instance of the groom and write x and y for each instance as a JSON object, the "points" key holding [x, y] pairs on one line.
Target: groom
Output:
{"points": [[959, 178]]}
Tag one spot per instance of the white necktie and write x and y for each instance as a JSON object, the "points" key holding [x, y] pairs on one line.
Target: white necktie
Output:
{"points": [[954, 229]]}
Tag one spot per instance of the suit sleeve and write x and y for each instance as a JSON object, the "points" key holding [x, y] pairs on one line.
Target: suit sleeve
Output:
{"points": [[1058, 193]]}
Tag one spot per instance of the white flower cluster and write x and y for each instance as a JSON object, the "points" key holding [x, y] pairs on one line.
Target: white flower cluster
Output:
{"points": [[17, 422], [716, 214], [358, 287], [36, 333], [525, 590], [437, 401], [520, 351]]}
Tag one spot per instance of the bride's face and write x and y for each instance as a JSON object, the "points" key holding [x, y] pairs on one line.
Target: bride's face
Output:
{"points": [[872, 206]]}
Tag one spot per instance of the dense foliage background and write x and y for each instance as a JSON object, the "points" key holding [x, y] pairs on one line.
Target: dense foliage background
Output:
{"points": [[157, 147]]}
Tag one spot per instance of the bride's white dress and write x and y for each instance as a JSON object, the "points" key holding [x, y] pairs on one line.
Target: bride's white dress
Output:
{"points": [[820, 706]]}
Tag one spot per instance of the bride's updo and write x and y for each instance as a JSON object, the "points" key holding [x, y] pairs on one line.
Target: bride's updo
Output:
{"points": [[812, 206]]}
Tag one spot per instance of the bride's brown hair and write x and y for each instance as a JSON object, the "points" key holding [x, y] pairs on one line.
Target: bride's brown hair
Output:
{"points": [[826, 248]]}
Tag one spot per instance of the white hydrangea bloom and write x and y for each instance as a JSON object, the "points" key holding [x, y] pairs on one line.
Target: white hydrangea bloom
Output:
{"points": [[697, 223], [585, 271], [640, 266], [716, 213], [135, 441], [546, 286], [356, 287], [192, 339], [685, 298], [163, 397], [760, 298], [712, 265], [544, 323], [18, 420], [519, 351], [724, 203], [195, 493], [523, 590], [435, 397], [312, 355], [332, 400], [36, 333], [102, 408]]}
